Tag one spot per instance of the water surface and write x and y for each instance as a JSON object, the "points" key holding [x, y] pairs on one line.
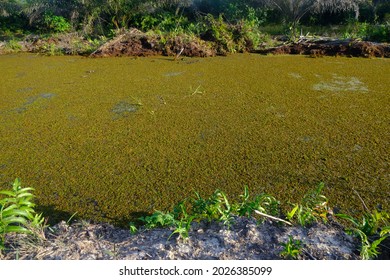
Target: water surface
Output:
{"points": [[111, 137]]}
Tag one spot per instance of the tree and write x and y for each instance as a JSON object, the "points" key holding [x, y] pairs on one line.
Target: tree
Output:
{"points": [[10, 7], [294, 10]]}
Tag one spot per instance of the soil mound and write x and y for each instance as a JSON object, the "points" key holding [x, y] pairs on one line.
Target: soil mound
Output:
{"points": [[137, 43], [244, 240], [320, 48]]}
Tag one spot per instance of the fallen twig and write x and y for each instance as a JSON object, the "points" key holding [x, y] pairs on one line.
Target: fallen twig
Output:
{"points": [[177, 56], [361, 199], [272, 217]]}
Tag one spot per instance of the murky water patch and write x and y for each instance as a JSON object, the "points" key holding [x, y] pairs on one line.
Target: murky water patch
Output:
{"points": [[20, 74], [26, 89], [123, 108], [339, 83], [33, 99], [295, 75], [173, 74]]}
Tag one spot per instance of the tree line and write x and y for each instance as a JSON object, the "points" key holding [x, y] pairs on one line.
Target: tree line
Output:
{"points": [[100, 16]]}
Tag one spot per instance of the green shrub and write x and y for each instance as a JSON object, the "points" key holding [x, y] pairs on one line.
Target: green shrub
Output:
{"points": [[56, 24], [13, 46], [379, 32]]}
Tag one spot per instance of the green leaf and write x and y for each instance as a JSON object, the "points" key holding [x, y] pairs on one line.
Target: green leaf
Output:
{"points": [[385, 231], [348, 218], [17, 229], [12, 220], [291, 214], [8, 193]]}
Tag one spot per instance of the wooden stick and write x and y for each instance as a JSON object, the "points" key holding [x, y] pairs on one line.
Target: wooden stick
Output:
{"points": [[272, 217], [177, 56]]}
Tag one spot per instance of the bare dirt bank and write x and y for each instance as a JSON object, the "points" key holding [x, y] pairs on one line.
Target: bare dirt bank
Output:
{"points": [[320, 48], [244, 240]]}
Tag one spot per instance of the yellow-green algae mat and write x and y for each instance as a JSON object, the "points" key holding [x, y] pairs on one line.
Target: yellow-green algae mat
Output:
{"points": [[110, 138]]}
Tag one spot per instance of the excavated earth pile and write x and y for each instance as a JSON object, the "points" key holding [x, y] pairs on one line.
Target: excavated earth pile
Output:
{"points": [[137, 43], [332, 48]]}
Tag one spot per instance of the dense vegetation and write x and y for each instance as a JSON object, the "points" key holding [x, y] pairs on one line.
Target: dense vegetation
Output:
{"points": [[210, 20]]}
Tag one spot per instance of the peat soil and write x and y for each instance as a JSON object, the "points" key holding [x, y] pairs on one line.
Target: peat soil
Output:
{"points": [[246, 239]]}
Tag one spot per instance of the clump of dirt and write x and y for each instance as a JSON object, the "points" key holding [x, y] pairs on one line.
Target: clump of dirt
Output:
{"points": [[320, 48], [245, 240], [137, 43]]}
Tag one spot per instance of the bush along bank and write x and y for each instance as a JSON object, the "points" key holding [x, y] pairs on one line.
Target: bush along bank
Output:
{"points": [[198, 222]]}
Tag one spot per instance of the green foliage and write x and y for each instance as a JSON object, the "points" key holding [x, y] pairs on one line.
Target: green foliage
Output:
{"points": [[313, 206], [379, 32], [216, 207], [370, 222], [50, 49], [158, 219], [356, 30], [163, 22], [13, 46], [17, 212], [264, 203], [133, 228], [291, 249], [57, 24], [369, 226], [220, 32], [365, 31]]}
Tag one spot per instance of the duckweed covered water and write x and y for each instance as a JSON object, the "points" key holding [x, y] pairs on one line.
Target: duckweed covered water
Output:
{"points": [[110, 138]]}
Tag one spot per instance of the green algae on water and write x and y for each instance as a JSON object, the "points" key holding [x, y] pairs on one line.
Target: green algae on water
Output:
{"points": [[131, 136]]}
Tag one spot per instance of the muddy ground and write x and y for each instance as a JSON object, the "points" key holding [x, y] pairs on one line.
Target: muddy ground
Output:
{"points": [[245, 240]]}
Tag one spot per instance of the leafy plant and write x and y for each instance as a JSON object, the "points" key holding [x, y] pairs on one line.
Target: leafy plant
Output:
{"points": [[291, 249], [133, 228], [313, 206], [13, 46], [366, 228], [17, 212], [158, 219], [217, 207], [264, 203], [370, 222], [56, 23]]}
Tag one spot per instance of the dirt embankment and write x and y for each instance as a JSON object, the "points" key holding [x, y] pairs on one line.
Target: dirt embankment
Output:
{"points": [[244, 240], [137, 43], [320, 48], [133, 42]]}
